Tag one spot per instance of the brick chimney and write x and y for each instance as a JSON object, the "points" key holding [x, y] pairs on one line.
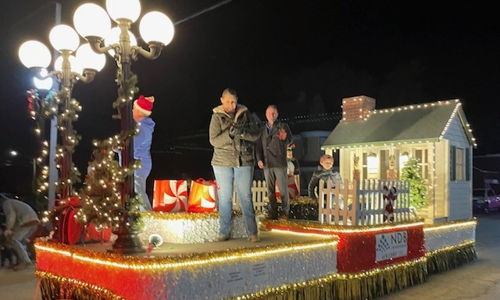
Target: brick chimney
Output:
{"points": [[357, 108]]}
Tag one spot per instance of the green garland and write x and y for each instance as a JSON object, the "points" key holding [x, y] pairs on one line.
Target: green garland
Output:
{"points": [[43, 109], [101, 197]]}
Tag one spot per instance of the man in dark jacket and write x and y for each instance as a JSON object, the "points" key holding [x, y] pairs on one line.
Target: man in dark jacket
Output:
{"points": [[233, 132], [21, 222], [271, 156]]}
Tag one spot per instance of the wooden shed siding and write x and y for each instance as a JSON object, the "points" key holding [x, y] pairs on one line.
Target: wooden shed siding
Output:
{"points": [[442, 179], [459, 192], [456, 134]]}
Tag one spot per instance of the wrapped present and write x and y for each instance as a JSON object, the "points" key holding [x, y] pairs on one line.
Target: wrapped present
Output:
{"points": [[293, 187], [202, 196], [170, 195], [67, 229], [95, 234]]}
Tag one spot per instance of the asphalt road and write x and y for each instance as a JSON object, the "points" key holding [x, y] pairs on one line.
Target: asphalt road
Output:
{"points": [[479, 280]]}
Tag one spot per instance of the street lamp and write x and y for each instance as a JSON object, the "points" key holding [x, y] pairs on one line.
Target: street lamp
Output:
{"points": [[68, 69], [43, 84], [156, 29]]}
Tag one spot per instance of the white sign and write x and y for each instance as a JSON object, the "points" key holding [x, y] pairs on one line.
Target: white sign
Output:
{"points": [[391, 245]]}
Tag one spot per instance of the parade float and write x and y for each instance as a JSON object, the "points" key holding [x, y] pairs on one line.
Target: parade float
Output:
{"points": [[367, 240]]}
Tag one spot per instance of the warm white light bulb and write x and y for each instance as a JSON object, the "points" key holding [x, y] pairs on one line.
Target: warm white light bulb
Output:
{"points": [[34, 54], [91, 20], [87, 58], [45, 83], [156, 27], [124, 9], [64, 37]]}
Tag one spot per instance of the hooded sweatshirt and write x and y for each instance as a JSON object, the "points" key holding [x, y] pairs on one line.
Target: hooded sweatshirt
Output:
{"points": [[142, 146]]}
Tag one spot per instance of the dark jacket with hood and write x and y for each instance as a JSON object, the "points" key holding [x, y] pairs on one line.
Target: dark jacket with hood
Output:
{"points": [[233, 138]]}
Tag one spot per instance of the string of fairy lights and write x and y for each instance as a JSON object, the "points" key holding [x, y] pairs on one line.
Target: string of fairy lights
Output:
{"points": [[41, 109], [100, 198], [346, 284]]}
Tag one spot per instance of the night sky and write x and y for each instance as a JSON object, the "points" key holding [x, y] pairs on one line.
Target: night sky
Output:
{"points": [[304, 56]]}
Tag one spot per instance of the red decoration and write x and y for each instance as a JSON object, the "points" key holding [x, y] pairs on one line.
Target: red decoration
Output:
{"points": [[92, 234], [390, 195], [356, 250], [170, 195], [293, 190], [67, 229], [202, 196]]}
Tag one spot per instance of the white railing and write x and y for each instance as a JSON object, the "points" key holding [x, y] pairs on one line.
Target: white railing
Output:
{"points": [[259, 196], [361, 203], [347, 202]]}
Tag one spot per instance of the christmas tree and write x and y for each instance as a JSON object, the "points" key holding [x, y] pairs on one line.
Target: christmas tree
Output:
{"points": [[101, 198], [418, 190]]}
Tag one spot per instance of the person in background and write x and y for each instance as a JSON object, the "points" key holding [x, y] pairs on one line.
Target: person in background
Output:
{"points": [[291, 162], [143, 107], [271, 156], [20, 224], [233, 132], [324, 172]]}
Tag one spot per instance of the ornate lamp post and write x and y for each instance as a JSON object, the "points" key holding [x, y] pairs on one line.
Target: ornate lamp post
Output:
{"points": [[68, 69], [156, 29]]}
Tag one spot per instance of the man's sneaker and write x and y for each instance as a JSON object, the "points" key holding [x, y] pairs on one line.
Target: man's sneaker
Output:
{"points": [[222, 238], [254, 239]]}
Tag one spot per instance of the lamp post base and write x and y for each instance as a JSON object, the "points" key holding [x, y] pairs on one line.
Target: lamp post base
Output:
{"points": [[127, 242]]}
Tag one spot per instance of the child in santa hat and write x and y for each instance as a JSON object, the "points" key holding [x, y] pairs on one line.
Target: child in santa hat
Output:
{"points": [[143, 107]]}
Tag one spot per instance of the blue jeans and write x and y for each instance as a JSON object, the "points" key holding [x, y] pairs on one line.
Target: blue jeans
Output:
{"points": [[16, 241], [242, 177], [140, 190]]}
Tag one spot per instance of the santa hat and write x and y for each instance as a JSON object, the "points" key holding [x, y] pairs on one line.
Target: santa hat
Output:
{"points": [[144, 104]]}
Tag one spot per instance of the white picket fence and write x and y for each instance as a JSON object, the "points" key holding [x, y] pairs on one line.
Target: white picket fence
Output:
{"points": [[361, 203], [259, 196], [347, 202]]}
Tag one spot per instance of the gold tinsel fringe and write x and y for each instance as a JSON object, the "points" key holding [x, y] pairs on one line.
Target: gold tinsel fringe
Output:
{"points": [[359, 286], [56, 287], [451, 257]]}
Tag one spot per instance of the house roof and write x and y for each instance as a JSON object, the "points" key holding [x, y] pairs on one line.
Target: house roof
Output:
{"points": [[407, 124]]}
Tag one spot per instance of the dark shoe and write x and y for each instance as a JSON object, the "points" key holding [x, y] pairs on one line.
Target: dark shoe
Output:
{"points": [[222, 238], [254, 239]]}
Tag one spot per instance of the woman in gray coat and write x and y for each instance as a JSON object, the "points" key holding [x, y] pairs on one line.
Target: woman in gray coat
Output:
{"points": [[233, 132]]}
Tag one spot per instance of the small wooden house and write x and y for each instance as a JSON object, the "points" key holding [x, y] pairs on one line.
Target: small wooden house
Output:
{"points": [[375, 144]]}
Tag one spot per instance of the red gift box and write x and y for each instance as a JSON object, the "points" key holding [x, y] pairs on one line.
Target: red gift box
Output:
{"points": [[67, 229], [170, 195]]}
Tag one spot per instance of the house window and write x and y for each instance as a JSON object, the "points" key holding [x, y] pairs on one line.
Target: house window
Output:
{"points": [[372, 165], [423, 160], [459, 163], [403, 159]]}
